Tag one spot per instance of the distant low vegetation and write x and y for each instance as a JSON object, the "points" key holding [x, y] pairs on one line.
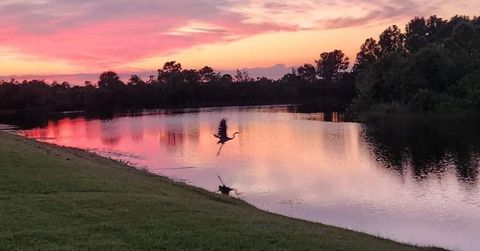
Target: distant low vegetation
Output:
{"points": [[434, 66], [327, 82]]}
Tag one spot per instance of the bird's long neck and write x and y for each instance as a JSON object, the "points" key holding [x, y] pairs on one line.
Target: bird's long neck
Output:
{"points": [[235, 134]]}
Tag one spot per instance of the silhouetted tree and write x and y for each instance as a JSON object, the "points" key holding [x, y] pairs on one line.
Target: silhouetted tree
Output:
{"points": [[135, 80], [207, 75], [436, 29], [392, 39], [369, 53], [307, 72], [242, 76], [416, 32], [190, 76], [170, 72], [110, 80], [331, 65], [227, 78], [89, 84]]}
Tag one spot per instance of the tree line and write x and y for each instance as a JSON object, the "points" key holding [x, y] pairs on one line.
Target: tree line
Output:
{"points": [[433, 66], [326, 81]]}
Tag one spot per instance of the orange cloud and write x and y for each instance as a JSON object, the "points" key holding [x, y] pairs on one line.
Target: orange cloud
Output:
{"points": [[92, 36]]}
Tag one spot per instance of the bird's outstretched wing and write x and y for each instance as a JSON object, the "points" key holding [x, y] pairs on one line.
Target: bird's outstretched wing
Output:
{"points": [[236, 192], [222, 129]]}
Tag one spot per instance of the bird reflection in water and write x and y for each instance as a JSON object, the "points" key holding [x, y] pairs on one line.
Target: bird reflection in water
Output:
{"points": [[222, 135]]}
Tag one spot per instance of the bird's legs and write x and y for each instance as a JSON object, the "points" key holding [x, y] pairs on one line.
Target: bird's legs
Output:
{"points": [[219, 150]]}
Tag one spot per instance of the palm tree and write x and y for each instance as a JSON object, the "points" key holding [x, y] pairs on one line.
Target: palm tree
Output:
{"points": [[222, 134]]}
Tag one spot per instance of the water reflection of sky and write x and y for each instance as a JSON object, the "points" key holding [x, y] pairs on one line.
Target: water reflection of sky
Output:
{"points": [[294, 164]]}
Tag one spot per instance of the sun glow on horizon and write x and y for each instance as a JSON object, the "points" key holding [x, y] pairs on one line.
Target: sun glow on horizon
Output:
{"points": [[259, 51], [13, 63]]}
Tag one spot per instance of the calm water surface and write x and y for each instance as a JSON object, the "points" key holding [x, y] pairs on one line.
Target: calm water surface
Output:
{"points": [[415, 183]]}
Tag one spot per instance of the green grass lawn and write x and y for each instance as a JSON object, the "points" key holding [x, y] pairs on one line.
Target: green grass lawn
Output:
{"points": [[63, 198]]}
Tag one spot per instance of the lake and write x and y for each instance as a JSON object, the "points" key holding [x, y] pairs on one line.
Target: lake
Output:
{"points": [[414, 182]]}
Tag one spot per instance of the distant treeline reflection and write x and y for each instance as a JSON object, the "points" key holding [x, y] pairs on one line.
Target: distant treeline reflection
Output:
{"points": [[427, 147], [28, 120]]}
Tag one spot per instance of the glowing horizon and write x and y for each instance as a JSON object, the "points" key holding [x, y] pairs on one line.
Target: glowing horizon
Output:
{"points": [[51, 37]]}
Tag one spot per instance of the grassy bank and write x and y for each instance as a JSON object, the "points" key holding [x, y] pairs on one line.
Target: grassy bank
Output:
{"points": [[62, 198]]}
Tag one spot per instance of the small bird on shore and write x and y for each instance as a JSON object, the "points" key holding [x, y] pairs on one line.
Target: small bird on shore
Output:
{"points": [[222, 135]]}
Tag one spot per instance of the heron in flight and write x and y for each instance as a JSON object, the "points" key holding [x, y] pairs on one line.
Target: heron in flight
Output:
{"points": [[222, 134]]}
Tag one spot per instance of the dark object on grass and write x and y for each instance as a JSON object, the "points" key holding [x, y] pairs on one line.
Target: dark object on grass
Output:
{"points": [[224, 189]]}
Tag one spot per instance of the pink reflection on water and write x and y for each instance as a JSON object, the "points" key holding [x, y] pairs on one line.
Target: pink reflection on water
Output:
{"points": [[291, 164]]}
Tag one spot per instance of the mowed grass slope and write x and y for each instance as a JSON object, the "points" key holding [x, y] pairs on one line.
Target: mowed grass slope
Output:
{"points": [[62, 198]]}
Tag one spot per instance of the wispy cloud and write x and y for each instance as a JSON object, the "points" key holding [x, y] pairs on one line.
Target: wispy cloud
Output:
{"points": [[112, 32], [318, 14], [106, 33]]}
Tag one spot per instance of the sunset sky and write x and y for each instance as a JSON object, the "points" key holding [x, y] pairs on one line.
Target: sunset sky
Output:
{"points": [[52, 37]]}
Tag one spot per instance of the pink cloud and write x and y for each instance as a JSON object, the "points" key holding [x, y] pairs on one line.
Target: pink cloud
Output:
{"points": [[104, 34], [107, 43]]}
